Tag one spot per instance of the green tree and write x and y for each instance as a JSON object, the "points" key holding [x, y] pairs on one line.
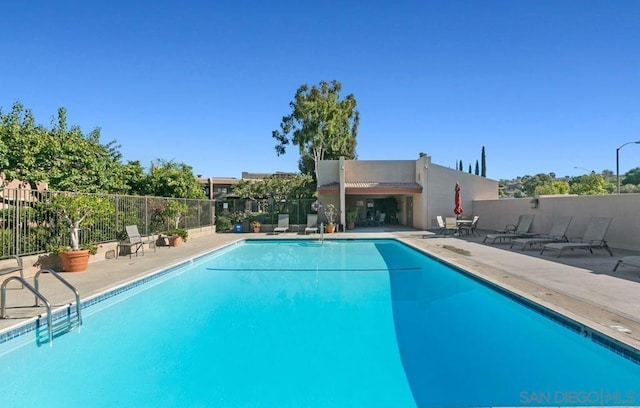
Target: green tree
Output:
{"points": [[171, 179], [590, 184], [63, 157], [631, 177], [470, 172], [483, 169], [134, 178], [477, 168], [530, 183], [277, 187], [321, 124], [554, 187]]}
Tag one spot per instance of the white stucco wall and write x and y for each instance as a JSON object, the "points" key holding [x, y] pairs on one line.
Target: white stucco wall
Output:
{"points": [[438, 194], [389, 171], [623, 233]]}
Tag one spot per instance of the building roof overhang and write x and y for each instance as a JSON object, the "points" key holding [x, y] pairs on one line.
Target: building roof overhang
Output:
{"points": [[373, 187]]}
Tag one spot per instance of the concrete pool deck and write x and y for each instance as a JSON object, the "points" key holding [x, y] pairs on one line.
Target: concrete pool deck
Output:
{"points": [[579, 285]]}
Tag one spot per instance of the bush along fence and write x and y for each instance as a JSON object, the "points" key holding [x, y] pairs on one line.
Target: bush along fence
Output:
{"points": [[33, 221], [244, 211]]}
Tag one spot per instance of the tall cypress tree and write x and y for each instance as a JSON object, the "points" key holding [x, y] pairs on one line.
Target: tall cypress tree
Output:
{"points": [[470, 168], [477, 168], [483, 170], [460, 165]]}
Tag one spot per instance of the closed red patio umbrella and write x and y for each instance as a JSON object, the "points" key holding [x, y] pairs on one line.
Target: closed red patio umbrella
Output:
{"points": [[458, 200]]}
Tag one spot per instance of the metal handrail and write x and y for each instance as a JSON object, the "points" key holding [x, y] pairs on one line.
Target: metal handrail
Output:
{"points": [[3, 302], [36, 281]]}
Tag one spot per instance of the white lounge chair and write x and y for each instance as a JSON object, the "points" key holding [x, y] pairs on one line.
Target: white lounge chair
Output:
{"points": [[593, 238], [312, 224], [512, 231], [628, 260], [283, 223], [556, 234]]}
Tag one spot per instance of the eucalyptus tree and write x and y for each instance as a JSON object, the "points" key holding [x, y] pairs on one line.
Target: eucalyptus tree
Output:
{"points": [[321, 123]]}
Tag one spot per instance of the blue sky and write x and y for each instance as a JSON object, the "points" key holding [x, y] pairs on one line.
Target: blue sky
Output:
{"points": [[545, 86]]}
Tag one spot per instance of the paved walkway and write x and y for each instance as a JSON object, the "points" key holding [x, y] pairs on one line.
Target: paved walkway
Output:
{"points": [[579, 285]]}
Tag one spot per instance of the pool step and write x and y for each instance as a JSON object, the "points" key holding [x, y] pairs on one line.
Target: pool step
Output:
{"points": [[59, 327]]}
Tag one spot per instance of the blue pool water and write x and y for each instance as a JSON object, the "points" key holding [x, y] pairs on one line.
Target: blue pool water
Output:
{"points": [[368, 323]]}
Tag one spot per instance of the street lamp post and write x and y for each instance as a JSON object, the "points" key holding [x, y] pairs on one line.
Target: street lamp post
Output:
{"points": [[582, 168], [618, 164]]}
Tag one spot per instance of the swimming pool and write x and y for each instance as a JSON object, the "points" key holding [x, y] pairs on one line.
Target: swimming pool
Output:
{"points": [[366, 323]]}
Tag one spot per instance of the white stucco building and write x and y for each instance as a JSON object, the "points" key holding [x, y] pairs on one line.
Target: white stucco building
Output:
{"points": [[422, 189]]}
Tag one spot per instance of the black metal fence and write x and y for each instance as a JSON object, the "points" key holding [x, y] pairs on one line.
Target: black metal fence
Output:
{"points": [[29, 226], [266, 211]]}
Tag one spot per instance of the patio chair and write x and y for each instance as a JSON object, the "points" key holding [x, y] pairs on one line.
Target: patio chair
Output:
{"points": [[557, 233], [380, 220], [441, 226], [512, 231], [135, 241], [593, 238], [312, 224], [14, 268], [283, 223], [450, 225], [628, 260], [470, 228]]}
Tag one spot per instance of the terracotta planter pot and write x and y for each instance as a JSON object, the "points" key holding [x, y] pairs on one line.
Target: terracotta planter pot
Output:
{"points": [[74, 261], [175, 240], [256, 229], [330, 228]]}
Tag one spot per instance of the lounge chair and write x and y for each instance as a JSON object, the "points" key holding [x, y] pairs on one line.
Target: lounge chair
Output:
{"points": [[469, 228], [512, 231], [283, 223], [135, 241], [312, 224], [628, 260], [593, 238], [556, 234]]}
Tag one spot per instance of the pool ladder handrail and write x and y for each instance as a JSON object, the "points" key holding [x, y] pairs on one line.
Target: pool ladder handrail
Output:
{"points": [[322, 232], [36, 281], [3, 301]]}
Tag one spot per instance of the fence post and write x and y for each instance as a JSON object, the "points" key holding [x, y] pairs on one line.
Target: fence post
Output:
{"points": [[18, 227]]}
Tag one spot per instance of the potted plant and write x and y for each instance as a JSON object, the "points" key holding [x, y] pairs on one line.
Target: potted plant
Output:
{"points": [[330, 212], [351, 219], [177, 236], [172, 213], [256, 226], [74, 211]]}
